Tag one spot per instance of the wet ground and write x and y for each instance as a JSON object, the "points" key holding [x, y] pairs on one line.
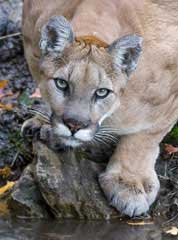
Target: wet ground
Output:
{"points": [[14, 154], [72, 230]]}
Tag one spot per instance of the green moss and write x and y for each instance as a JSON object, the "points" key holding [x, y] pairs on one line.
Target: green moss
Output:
{"points": [[174, 133], [172, 136], [15, 139], [16, 145], [24, 99]]}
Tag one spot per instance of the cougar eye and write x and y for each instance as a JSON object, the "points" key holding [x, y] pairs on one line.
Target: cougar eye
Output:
{"points": [[102, 92], [61, 84]]}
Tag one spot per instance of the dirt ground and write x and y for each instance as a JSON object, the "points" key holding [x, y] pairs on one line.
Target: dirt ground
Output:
{"points": [[14, 104], [14, 70]]}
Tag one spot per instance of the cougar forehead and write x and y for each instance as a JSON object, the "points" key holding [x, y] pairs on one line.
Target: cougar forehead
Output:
{"points": [[84, 75], [76, 53]]}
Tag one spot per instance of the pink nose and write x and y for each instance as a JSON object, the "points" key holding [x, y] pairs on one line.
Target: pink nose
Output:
{"points": [[73, 125]]}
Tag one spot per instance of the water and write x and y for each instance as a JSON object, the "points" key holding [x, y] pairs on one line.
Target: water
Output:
{"points": [[77, 230]]}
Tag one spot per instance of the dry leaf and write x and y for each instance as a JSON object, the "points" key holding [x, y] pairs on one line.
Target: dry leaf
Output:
{"points": [[173, 231], [3, 84], [6, 188], [36, 94], [5, 172], [141, 223], [170, 149], [7, 107], [4, 208]]}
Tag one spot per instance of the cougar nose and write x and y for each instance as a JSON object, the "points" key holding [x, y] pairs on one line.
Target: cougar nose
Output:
{"points": [[74, 125]]}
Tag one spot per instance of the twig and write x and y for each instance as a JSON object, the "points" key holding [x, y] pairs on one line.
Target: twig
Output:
{"points": [[170, 220], [10, 35], [163, 177], [15, 158]]}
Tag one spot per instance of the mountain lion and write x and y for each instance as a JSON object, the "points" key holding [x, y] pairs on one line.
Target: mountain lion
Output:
{"points": [[108, 69]]}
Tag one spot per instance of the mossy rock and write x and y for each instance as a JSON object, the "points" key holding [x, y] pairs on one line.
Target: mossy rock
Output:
{"points": [[62, 184]]}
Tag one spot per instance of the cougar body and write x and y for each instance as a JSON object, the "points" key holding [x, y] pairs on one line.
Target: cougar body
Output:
{"points": [[109, 68]]}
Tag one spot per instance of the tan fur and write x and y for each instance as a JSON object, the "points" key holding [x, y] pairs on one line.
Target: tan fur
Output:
{"points": [[146, 108]]}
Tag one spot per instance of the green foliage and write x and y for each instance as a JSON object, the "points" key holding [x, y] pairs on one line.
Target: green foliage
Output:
{"points": [[24, 99], [17, 142], [172, 137], [174, 133]]}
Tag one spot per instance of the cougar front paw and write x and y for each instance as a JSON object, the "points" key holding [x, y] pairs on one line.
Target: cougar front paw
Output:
{"points": [[131, 197], [50, 139], [31, 129]]}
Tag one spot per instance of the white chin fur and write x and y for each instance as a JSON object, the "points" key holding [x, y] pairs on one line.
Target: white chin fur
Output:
{"points": [[71, 143], [84, 135], [62, 130]]}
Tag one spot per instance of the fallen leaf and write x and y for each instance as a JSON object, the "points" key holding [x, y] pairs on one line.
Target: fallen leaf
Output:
{"points": [[5, 172], [4, 208], [173, 231], [36, 94], [3, 84], [7, 107], [141, 223], [6, 188], [170, 149]]}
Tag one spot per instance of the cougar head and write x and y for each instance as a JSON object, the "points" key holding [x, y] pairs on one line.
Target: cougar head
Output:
{"points": [[82, 81]]}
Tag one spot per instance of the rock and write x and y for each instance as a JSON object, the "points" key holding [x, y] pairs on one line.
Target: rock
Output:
{"points": [[26, 199], [10, 23], [68, 184], [62, 184], [3, 21]]}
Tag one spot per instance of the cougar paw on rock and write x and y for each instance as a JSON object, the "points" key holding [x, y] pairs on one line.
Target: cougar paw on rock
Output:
{"points": [[31, 129], [130, 197]]}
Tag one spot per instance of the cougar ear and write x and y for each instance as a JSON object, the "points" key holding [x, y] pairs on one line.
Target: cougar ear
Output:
{"points": [[56, 35], [126, 52]]}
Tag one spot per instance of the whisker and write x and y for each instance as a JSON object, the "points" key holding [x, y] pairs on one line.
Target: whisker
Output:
{"points": [[44, 116], [109, 130], [93, 142], [111, 134], [110, 141], [106, 139], [101, 140], [109, 127], [34, 110], [109, 137]]}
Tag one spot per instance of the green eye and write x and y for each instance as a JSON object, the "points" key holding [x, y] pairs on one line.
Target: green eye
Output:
{"points": [[61, 84], [102, 92]]}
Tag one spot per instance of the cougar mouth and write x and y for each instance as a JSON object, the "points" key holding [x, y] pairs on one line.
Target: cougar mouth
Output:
{"points": [[73, 139], [95, 135]]}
